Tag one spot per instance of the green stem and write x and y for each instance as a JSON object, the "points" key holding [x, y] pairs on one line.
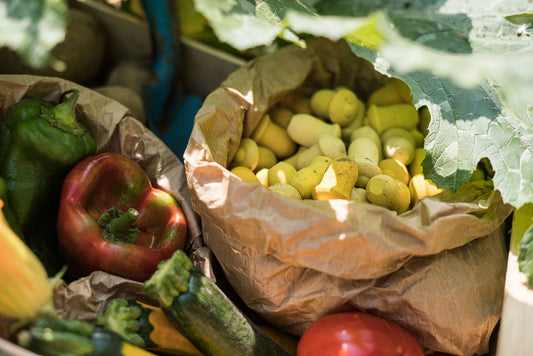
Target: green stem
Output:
{"points": [[119, 226], [171, 279], [63, 115], [124, 222]]}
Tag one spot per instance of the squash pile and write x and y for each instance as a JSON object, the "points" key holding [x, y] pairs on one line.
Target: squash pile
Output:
{"points": [[332, 145]]}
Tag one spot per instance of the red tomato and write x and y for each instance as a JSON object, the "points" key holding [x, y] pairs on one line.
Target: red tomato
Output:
{"points": [[357, 334]]}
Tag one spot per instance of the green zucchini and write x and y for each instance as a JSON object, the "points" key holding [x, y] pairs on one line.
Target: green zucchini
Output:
{"points": [[204, 314], [145, 326], [52, 336]]}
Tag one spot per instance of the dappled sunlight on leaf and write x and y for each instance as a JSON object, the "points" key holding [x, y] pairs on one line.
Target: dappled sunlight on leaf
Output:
{"points": [[33, 28]]}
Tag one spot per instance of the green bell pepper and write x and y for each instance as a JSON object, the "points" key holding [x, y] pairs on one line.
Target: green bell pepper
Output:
{"points": [[26, 108], [39, 143], [8, 213]]}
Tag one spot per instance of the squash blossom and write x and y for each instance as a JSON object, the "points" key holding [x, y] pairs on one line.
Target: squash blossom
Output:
{"points": [[24, 287]]}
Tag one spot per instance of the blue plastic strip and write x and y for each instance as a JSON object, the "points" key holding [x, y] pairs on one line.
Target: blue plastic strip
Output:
{"points": [[169, 112], [165, 58]]}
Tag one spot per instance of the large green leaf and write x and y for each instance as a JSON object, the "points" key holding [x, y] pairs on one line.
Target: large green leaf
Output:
{"points": [[33, 28], [525, 255], [478, 96], [478, 105], [470, 63], [248, 24]]}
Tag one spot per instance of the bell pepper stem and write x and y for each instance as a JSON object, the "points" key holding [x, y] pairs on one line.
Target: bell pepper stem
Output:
{"points": [[63, 115], [117, 225], [123, 223]]}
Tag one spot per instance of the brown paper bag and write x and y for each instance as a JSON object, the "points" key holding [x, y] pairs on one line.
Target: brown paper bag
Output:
{"points": [[114, 130], [437, 270]]}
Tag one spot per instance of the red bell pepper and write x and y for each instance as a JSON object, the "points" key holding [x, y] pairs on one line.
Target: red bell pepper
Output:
{"points": [[112, 219]]}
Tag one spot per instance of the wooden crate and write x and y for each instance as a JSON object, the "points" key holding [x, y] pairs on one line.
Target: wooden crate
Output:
{"points": [[204, 68]]}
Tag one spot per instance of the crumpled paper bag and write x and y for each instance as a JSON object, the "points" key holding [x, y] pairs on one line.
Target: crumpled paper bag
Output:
{"points": [[114, 130], [437, 270], [87, 297]]}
